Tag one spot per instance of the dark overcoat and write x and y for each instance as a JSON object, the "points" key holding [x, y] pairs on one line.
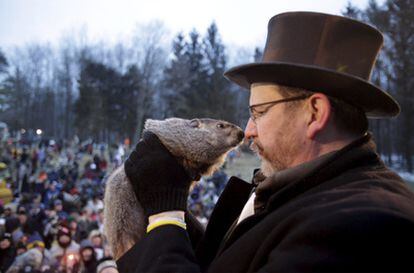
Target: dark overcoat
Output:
{"points": [[343, 212]]}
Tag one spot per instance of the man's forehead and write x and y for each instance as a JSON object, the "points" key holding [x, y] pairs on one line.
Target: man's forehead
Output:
{"points": [[263, 92]]}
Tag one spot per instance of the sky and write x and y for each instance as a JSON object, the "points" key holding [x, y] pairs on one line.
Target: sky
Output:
{"points": [[240, 23]]}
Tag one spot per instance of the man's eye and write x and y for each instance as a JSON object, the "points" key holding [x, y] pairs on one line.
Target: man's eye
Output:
{"points": [[258, 113]]}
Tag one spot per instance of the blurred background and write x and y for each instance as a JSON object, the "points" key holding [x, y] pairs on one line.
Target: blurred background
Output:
{"points": [[79, 78]]}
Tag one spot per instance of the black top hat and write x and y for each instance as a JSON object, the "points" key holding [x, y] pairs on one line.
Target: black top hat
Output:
{"points": [[322, 53]]}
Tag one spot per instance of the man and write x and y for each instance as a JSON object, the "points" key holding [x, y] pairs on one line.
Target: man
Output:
{"points": [[64, 246], [322, 201]]}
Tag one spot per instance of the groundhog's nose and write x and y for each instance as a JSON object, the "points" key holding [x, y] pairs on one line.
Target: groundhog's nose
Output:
{"points": [[240, 135]]}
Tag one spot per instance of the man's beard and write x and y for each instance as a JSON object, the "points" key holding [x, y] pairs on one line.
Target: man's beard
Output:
{"points": [[275, 161], [64, 244], [266, 166]]}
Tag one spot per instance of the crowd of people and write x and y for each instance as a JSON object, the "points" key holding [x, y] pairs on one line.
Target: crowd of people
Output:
{"points": [[51, 204]]}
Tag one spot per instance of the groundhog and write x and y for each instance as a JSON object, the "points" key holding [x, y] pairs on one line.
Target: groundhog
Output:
{"points": [[200, 145]]}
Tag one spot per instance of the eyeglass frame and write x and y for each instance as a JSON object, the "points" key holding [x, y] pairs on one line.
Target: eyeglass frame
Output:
{"points": [[275, 102]]}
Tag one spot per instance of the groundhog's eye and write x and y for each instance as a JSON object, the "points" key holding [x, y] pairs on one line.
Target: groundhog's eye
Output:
{"points": [[194, 123], [220, 125]]}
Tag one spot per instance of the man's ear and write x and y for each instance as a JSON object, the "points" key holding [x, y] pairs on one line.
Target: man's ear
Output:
{"points": [[319, 112]]}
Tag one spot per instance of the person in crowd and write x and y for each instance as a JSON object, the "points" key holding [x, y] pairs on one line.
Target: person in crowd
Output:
{"points": [[23, 173], [96, 204], [58, 208], [87, 257], [8, 210], [7, 252], [322, 201], [13, 227], [24, 220], [20, 248], [37, 215], [51, 194], [97, 240]]}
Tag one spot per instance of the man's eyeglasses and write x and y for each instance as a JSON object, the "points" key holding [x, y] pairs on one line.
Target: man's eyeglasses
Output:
{"points": [[255, 113]]}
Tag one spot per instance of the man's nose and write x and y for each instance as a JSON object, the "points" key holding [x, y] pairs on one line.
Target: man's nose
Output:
{"points": [[250, 130]]}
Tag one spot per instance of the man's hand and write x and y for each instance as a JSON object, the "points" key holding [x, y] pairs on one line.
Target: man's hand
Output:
{"points": [[159, 182]]}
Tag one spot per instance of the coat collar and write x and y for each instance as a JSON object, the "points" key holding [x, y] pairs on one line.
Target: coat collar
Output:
{"points": [[225, 213]]}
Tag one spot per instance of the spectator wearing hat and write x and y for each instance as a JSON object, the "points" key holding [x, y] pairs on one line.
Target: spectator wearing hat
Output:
{"points": [[27, 224], [97, 240], [51, 225], [106, 265], [36, 241], [58, 207], [87, 257], [22, 215], [95, 204], [13, 227], [51, 193], [37, 215], [7, 252], [9, 210]]}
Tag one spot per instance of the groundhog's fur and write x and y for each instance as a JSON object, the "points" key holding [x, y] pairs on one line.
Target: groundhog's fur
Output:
{"points": [[200, 145]]}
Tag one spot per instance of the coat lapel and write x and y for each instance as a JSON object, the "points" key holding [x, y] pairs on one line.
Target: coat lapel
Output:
{"points": [[226, 211]]}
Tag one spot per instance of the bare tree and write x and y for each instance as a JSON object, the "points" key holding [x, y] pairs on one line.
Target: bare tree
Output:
{"points": [[150, 42]]}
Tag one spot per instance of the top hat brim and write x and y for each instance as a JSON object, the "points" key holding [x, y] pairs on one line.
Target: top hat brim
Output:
{"points": [[375, 102]]}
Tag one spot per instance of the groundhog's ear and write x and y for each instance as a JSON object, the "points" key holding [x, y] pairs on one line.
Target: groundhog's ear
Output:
{"points": [[195, 123]]}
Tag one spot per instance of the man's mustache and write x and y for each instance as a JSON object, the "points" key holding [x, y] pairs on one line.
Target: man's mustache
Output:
{"points": [[255, 146]]}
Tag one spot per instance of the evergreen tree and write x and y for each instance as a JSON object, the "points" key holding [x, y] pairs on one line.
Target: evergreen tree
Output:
{"points": [[195, 94], [393, 72], [352, 11], [220, 100], [3, 63], [399, 28], [127, 108], [176, 80]]}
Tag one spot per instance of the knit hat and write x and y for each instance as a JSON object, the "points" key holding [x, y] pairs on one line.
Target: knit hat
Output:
{"points": [[12, 224], [63, 230], [35, 240], [33, 258], [57, 202], [7, 236], [86, 244], [105, 263], [94, 233], [21, 210]]}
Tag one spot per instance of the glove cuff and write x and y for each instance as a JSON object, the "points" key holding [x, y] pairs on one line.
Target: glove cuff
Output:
{"points": [[164, 199]]}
